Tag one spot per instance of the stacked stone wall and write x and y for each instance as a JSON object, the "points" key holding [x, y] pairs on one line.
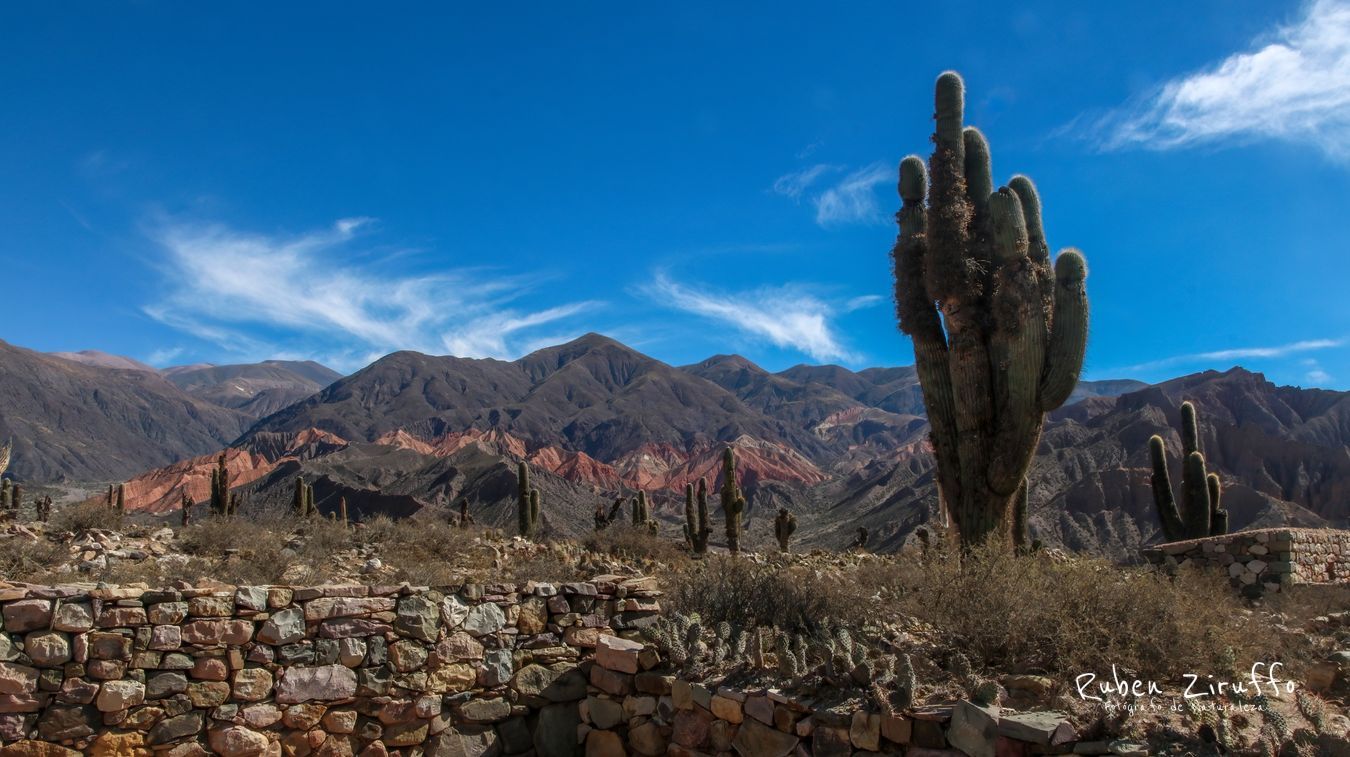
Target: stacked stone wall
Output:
{"points": [[1264, 559]]}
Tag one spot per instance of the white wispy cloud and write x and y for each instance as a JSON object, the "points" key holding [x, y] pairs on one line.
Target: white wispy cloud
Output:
{"points": [[854, 198], [1293, 85], [787, 316], [257, 295], [1243, 353], [794, 184], [1316, 375], [851, 199]]}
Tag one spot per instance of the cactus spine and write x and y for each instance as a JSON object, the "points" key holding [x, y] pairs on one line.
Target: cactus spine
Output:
{"points": [[1200, 514], [733, 504], [696, 526], [998, 339], [784, 526]]}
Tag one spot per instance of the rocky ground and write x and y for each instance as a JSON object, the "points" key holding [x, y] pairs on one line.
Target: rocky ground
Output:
{"points": [[857, 626]]}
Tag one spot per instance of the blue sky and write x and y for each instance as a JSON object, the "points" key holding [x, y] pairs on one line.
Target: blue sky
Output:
{"points": [[181, 183]]}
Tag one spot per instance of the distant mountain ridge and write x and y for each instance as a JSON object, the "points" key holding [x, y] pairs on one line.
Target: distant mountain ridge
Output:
{"points": [[839, 448]]}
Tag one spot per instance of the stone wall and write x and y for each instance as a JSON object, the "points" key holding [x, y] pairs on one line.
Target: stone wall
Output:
{"points": [[1264, 559], [533, 670], [330, 670]]}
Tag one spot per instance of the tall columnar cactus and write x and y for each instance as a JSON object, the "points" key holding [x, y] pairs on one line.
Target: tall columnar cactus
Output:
{"points": [[16, 506], [696, 524], [298, 501], [998, 338], [121, 499], [524, 521], [1201, 514], [733, 504], [220, 488], [5, 453], [784, 526], [6, 495], [342, 511], [640, 512], [464, 517], [186, 509]]}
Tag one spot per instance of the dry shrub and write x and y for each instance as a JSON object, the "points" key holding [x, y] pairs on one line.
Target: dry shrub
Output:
{"points": [[426, 551], [87, 516], [629, 542], [1079, 615], [24, 559], [795, 599]]}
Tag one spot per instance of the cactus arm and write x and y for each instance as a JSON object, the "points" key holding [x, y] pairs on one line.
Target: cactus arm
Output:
{"points": [[919, 320], [1038, 252], [1190, 430], [1218, 517], [5, 453], [1195, 496], [1016, 345], [1068, 331], [1173, 529]]}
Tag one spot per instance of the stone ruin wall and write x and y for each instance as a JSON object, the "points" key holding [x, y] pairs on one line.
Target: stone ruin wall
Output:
{"points": [[1264, 559], [533, 669]]}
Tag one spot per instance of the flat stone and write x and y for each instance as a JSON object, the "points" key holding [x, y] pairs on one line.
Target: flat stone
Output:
{"points": [[115, 696], [252, 684], [484, 619], [974, 728], [1047, 728], [418, 617], [283, 627], [251, 598], [865, 731], [165, 684], [27, 615], [755, 739], [727, 709], [76, 617], [62, 723], [207, 632], [480, 710], [322, 683], [236, 741], [614, 653], [462, 741], [555, 735], [17, 679], [47, 649], [177, 727]]}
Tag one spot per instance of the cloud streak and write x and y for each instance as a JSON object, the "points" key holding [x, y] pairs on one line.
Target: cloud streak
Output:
{"points": [[1295, 87], [850, 200], [250, 294], [1243, 353], [786, 317]]}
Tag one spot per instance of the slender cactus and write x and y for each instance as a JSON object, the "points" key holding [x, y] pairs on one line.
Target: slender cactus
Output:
{"points": [[784, 526], [1200, 514], [696, 526], [733, 503], [121, 499], [185, 509], [998, 339], [342, 511], [220, 488]]}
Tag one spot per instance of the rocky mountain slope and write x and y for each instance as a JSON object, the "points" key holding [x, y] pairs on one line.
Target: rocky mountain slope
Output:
{"points": [[74, 420], [256, 389], [839, 448]]}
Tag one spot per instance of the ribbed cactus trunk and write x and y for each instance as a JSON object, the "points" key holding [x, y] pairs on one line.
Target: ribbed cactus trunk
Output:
{"points": [[220, 488], [527, 502], [342, 510], [784, 526], [733, 504], [121, 499], [1201, 514], [185, 510], [998, 338], [697, 528]]}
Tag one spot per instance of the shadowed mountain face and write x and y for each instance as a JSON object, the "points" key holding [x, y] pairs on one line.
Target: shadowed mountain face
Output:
{"points": [[81, 421], [256, 389], [839, 448]]}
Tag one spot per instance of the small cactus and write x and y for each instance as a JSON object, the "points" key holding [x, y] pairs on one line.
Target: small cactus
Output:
{"points": [[906, 683], [784, 526], [1200, 514], [696, 525], [733, 503], [787, 661], [527, 503]]}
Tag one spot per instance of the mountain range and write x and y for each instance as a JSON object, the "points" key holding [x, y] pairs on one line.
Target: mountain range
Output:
{"points": [[595, 419]]}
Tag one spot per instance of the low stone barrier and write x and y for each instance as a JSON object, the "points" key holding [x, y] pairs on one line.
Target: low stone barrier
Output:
{"points": [[540, 669], [327, 670], [1264, 559]]}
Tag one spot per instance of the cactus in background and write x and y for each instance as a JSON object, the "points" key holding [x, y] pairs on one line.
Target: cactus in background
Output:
{"points": [[109, 501], [44, 509], [220, 488], [16, 504], [298, 499], [998, 339], [186, 509], [696, 525], [6, 495], [733, 504], [121, 499], [784, 526], [5, 453], [640, 513], [464, 518], [1201, 514], [527, 502], [860, 540], [342, 511]]}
